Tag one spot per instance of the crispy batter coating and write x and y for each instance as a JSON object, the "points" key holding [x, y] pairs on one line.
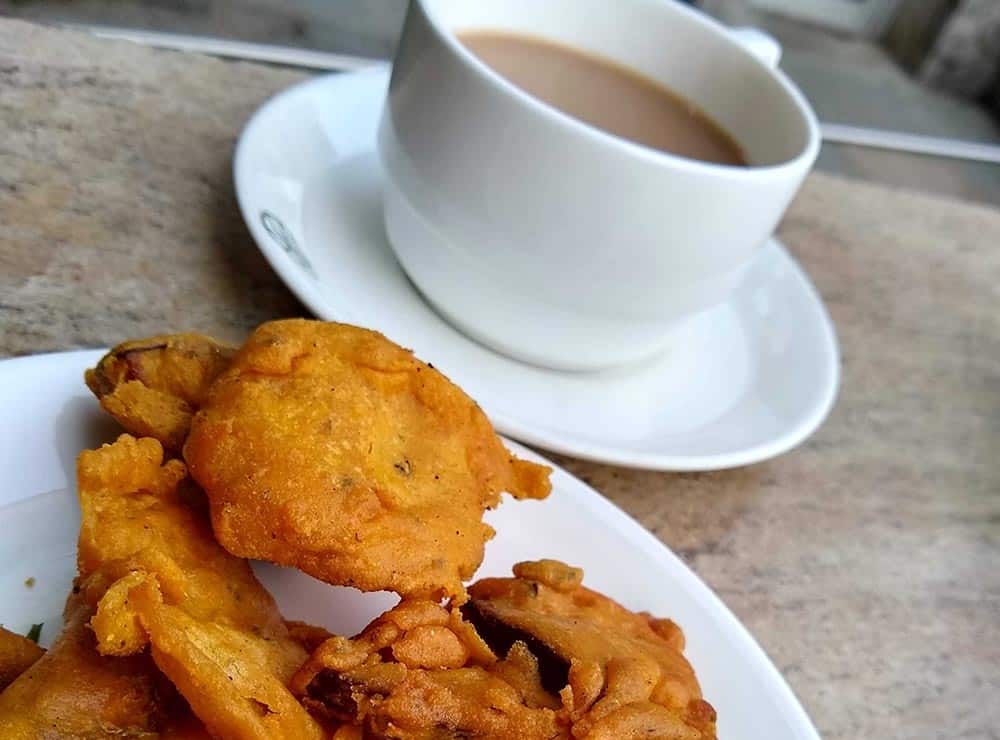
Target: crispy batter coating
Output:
{"points": [[419, 672], [148, 560], [309, 636], [576, 665], [152, 387], [73, 692], [619, 674], [329, 448], [17, 654]]}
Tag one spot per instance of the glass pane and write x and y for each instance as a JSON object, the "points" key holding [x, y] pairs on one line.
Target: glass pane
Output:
{"points": [[362, 27], [860, 62]]}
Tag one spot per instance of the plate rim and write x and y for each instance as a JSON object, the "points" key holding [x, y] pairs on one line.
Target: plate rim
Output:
{"points": [[307, 289], [601, 508]]}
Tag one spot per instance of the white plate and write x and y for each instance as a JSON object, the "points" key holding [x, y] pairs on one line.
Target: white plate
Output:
{"points": [[751, 379], [47, 416]]}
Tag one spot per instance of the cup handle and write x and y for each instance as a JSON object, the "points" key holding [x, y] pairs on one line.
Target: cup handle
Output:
{"points": [[762, 45]]}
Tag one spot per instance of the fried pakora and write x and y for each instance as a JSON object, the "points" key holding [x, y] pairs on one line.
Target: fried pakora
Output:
{"points": [[148, 561], [420, 672], [17, 654], [619, 674], [329, 448], [152, 387], [74, 692], [572, 664]]}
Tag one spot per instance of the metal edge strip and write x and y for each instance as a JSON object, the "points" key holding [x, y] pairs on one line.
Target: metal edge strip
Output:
{"points": [[836, 133]]}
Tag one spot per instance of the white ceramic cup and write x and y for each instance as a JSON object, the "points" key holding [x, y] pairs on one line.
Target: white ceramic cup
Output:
{"points": [[553, 241]]}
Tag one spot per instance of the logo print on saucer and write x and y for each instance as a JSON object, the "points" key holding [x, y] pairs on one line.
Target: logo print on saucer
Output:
{"points": [[280, 233]]}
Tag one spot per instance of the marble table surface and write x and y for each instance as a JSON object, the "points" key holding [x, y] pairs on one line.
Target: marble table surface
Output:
{"points": [[867, 562]]}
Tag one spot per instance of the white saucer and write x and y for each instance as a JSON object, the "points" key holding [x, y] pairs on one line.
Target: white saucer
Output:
{"points": [[752, 379]]}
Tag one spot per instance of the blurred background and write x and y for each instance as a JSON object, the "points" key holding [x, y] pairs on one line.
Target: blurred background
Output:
{"points": [[875, 70]]}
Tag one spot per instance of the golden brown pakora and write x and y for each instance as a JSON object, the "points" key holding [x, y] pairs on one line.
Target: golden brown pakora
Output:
{"points": [[73, 692], [420, 672], [619, 674], [148, 561], [329, 448], [153, 386], [17, 654], [572, 664]]}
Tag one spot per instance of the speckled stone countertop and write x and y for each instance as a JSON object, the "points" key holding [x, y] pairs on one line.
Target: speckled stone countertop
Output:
{"points": [[867, 562]]}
